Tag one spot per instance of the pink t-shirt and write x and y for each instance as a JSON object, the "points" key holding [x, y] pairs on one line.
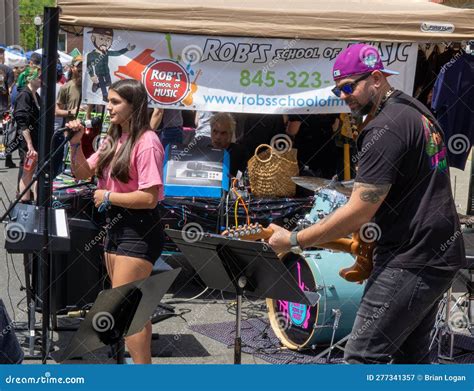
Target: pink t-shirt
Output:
{"points": [[146, 165]]}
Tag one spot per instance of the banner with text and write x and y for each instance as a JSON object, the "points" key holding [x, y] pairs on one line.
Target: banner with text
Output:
{"points": [[228, 73]]}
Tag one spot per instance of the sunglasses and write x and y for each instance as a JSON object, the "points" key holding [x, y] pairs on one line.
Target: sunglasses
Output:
{"points": [[349, 88]]}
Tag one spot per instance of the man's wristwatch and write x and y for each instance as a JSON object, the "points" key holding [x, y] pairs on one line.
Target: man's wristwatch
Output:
{"points": [[295, 246]]}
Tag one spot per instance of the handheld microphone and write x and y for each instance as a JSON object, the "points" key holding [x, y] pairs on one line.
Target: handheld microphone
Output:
{"points": [[88, 124]]}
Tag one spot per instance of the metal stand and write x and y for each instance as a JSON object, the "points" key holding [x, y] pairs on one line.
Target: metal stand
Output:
{"points": [[31, 304], [44, 258], [337, 316], [46, 124], [118, 313], [237, 266], [119, 351], [239, 281], [238, 327], [443, 326]]}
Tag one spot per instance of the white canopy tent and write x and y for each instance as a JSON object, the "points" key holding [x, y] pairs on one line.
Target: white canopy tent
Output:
{"points": [[15, 59], [63, 57]]}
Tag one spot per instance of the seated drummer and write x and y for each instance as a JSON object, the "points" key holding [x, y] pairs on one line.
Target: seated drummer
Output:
{"points": [[222, 134]]}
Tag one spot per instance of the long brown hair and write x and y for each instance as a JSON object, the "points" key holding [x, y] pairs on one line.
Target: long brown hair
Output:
{"points": [[135, 94]]}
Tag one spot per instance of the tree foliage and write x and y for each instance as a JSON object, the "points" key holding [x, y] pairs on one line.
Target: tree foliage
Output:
{"points": [[28, 10]]}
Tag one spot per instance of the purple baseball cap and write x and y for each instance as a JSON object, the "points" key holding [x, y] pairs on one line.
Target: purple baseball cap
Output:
{"points": [[358, 59]]}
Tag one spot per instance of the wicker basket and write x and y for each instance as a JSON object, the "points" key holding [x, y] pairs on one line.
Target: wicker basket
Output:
{"points": [[270, 172]]}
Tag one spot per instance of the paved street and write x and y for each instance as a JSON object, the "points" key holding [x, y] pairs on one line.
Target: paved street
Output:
{"points": [[176, 342]]}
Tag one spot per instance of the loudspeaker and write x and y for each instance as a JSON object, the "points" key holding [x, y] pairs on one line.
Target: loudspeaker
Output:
{"points": [[78, 276]]}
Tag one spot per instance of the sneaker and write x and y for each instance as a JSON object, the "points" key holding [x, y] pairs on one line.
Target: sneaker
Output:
{"points": [[9, 163]]}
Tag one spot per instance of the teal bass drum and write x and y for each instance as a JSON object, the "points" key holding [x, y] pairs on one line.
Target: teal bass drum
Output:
{"points": [[299, 326]]}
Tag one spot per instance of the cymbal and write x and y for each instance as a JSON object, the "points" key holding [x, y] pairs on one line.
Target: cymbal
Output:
{"points": [[316, 184]]}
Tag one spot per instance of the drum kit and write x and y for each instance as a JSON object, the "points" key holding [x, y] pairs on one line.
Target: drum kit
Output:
{"points": [[330, 321], [300, 327]]}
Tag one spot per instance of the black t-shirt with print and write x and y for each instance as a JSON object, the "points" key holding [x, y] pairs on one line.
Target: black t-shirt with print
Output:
{"points": [[417, 224]]}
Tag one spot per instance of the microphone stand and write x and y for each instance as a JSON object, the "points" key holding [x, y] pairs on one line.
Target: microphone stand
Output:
{"points": [[46, 270], [36, 176]]}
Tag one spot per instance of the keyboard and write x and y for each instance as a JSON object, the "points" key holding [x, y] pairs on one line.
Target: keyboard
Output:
{"points": [[24, 230]]}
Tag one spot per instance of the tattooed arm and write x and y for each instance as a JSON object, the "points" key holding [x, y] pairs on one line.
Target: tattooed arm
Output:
{"points": [[362, 206], [375, 194]]}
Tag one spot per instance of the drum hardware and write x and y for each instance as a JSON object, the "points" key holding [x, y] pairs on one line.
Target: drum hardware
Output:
{"points": [[242, 281], [337, 345], [443, 327], [337, 316], [318, 184], [302, 224]]}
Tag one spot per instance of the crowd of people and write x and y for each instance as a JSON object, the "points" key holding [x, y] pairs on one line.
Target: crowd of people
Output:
{"points": [[410, 273], [239, 134], [20, 104]]}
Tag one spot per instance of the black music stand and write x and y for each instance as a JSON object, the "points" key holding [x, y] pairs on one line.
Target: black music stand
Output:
{"points": [[238, 266], [118, 313]]}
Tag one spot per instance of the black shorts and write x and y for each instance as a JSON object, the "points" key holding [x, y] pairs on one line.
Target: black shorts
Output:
{"points": [[134, 233]]}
